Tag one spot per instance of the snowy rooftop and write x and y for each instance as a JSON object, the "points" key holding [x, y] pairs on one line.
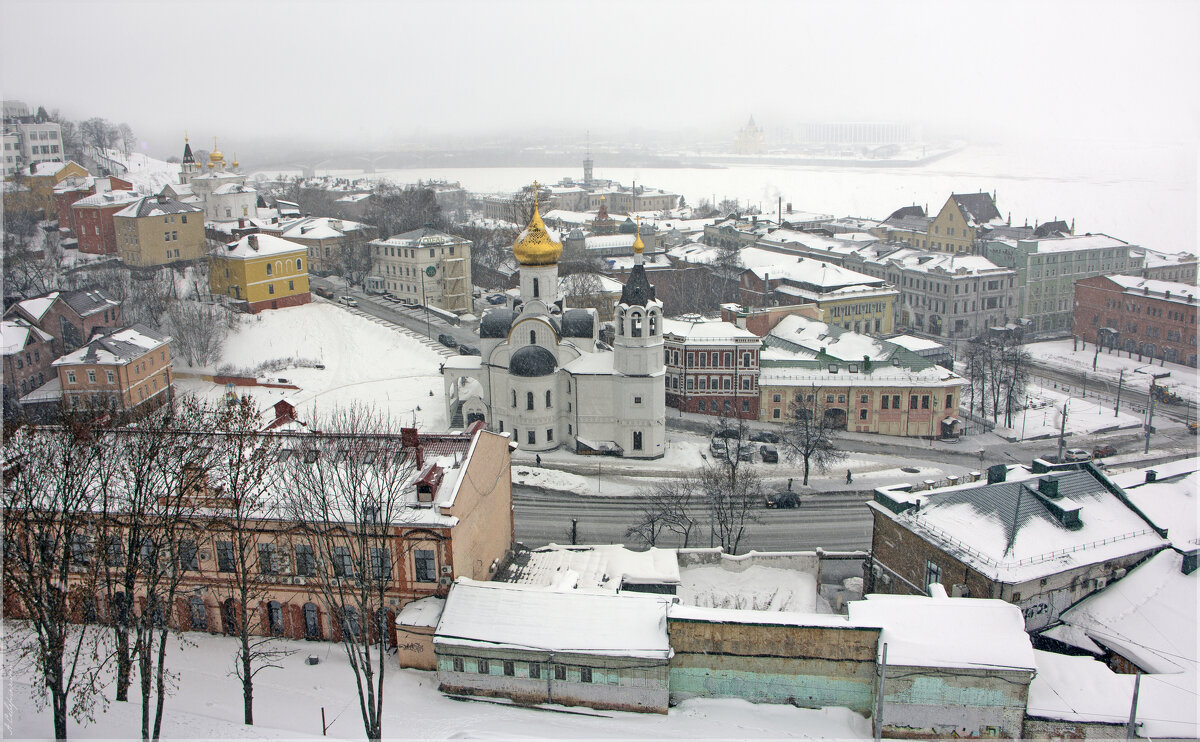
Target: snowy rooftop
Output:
{"points": [[682, 612], [260, 245], [914, 343], [230, 188], [108, 198], [118, 347], [160, 205], [880, 375], [801, 333], [319, 228], [706, 332], [1157, 259], [37, 307], [1148, 616], [1070, 243], [424, 612], [814, 273], [811, 241], [1071, 688], [15, 334], [46, 168], [498, 615], [605, 567], [948, 632], [1171, 504], [1180, 293], [1016, 531], [940, 262]]}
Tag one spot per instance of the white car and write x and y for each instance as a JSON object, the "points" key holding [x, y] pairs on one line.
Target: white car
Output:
{"points": [[349, 301], [1077, 454]]}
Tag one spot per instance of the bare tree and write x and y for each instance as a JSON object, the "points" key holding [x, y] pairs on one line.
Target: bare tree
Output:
{"points": [[396, 210], [244, 480], [733, 496], [668, 507], [354, 258], [50, 490], [811, 432], [346, 491], [98, 132], [198, 331], [125, 136]]}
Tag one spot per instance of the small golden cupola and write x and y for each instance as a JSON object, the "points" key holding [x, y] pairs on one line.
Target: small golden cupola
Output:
{"points": [[535, 246], [638, 245], [215, 157]]}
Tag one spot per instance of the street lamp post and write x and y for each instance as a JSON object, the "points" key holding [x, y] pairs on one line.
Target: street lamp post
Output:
{"points": [[430, 270]]}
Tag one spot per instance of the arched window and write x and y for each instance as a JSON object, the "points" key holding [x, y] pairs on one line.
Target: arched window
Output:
{"points": [[269, 269], [535, 288], [514, 397], [533, 337], [547, 398], [298, 264], [199, 613], [275, 617], [312, 621], [620, 322], [653, 324], [529, 400], [635, 325]]}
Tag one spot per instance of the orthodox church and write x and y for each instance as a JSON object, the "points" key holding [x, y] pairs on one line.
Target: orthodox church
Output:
{"points": [[545, 377], [221, 190]]}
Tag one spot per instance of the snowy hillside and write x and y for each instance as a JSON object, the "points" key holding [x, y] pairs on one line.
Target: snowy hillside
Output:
{"points": [[147, 174]]}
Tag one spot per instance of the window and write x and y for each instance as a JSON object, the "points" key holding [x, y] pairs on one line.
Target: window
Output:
{"points": [[585, 674], [637, 400], [457, 664], [485, 667], [535, 670], [115, 553], [350, 621], [560, 672], [425, 565], [933, 574], [949, 401], [199, 614], [306, 562], [547, 398], [381, 564], [298, 264], [70, 375], [270, 288], [702, 405], [924, 401], [225, 556], [187, 555], [912, 402], [183, 218], [895, 401], [509, 668], [343, 562], [174, 236], [514, 397], [80, 550], [775, 413], [110, 377], [531, 436], [268, 269], [275, 617], [291, 285], [266, 559], [549, 435], [91, 376], [637, 440]]}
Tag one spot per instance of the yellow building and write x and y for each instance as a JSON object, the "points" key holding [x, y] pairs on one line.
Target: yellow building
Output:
{"points": [[158, 230], [960, 224], [40, 178], [265, 272]]}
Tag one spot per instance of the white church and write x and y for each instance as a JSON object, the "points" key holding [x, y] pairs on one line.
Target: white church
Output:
{"points": [[545, 377]]}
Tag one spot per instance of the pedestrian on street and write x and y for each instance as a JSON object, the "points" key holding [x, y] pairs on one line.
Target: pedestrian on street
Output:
{"points": [[538, 458], [849, 478]]}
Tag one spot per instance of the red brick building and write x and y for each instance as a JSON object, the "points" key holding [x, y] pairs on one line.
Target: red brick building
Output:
{"points": [[27, 353], [712, 368], [71, 190], [94, 219], [71, 317], [1139, 315]]}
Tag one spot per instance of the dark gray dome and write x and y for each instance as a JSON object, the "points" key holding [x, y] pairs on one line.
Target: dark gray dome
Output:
{"points": [[577, 323], [532, 360], [496, 323]]}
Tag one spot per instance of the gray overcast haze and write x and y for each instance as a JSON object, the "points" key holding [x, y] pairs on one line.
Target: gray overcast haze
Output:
{"points": [[376, 74]]}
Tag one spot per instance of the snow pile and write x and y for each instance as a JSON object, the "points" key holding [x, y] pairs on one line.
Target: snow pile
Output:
{"points": [[757, 588], [147, 174]]}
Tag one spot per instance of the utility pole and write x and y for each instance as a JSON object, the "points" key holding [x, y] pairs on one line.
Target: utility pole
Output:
{"points": [[1062, 431], [879, 695], [1150, 416], [1129, 727], [1120, 383]]}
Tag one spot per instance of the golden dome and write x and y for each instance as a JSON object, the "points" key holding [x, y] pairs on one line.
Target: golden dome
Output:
{"points": [[638, 245], [535, 246], [235, 162], [215, 155]]}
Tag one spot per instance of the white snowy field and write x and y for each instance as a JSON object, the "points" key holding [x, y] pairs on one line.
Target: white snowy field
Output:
{"points": [[288, 702], [1107, 374], [365, 362], [1043, 416]]}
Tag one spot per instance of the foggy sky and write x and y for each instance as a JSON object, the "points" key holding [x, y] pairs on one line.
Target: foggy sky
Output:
{"points": [[383, 73]]}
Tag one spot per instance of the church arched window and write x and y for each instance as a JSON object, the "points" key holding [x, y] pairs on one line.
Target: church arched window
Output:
{"points": [[514, 397], [535, 288], [533, 337], [547, 398], [529, 400], [635, 325]]}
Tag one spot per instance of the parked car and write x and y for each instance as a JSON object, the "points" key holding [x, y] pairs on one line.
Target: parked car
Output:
{"points": [[1100, 452], [323, 292], [349, 301], [720, 440], [1077, 454], [448, 340], [785, 499], [764, 436], [468, 350], [497, 299], [769, 454]]}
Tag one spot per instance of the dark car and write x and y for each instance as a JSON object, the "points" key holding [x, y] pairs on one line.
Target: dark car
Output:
{"points": [[497, 299], [448, 340], [468, 350], [323, 292], [1100, 452], [764, 436], [769, 454], [786, 499]]}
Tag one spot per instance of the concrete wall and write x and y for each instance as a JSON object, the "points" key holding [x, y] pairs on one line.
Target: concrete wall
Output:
{"points": [[926, 702], [809, 666], [414, 647], [1053, 729], [621, 683], [484, 509]]}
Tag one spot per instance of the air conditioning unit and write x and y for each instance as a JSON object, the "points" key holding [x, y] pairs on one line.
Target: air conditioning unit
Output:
{"points": [[446, 580], [1101, 582], [1118, 574], [447, 569]]}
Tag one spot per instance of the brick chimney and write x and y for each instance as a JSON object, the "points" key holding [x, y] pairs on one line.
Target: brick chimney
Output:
{"points": [[253, 241]]}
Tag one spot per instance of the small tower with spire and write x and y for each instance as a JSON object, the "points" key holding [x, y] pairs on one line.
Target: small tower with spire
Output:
{"points": [[638, 360], [188, 169], [537, 253], [587, 163]]}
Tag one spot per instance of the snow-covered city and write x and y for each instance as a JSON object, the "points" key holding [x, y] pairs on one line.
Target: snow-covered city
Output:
{"points": [[558, 402]]}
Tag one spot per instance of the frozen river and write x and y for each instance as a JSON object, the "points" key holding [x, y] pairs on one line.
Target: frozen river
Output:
{"points": [[1143, 193]]}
